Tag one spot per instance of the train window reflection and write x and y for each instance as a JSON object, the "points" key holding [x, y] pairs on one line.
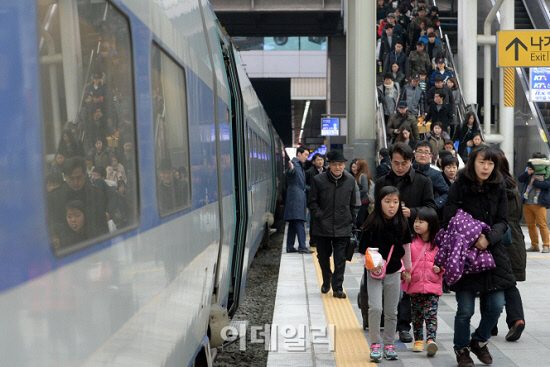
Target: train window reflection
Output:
{"points": [[88, 121], [171, 133]]}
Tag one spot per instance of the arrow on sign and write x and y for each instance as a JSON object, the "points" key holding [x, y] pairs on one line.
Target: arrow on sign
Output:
{"points": [[516, 42]]}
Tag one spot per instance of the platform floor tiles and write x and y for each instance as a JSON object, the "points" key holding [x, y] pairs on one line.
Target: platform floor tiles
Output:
{"points": [[314, 329]]}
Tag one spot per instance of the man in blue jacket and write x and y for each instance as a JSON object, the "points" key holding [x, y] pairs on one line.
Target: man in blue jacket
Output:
{"points": [[423, 158], [296, 202]]}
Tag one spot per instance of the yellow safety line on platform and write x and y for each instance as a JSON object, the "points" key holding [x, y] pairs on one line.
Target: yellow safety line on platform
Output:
{"points": [[350, 346]]}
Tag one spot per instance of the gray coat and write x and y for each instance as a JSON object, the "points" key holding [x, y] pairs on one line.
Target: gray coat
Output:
{"points": [[296, 199]]}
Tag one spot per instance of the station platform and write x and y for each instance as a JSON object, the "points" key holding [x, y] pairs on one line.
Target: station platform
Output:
{"points": [[314, 329]]}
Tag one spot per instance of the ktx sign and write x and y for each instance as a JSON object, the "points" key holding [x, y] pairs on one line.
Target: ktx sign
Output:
{"points": [[519, 48]]}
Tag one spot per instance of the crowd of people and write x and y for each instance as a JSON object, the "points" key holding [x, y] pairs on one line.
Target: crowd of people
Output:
{"points": [[419, 91], [91, 181], [410, 216]]}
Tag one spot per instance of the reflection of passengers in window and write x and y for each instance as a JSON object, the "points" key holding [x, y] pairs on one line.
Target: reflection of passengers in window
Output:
{"points": [[78, 187], [170, 189], [74, 229]]}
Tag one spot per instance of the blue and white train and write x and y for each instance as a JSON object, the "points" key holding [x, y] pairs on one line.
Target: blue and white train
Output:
{"points": [[161, 85]]}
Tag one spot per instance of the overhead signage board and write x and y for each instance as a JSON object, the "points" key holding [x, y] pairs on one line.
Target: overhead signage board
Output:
{"points": [[539, 84], [330, 126], [519, 48]]}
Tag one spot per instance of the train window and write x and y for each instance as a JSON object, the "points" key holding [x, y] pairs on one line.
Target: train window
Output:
{"points": [[171, 133], [88, 122]]}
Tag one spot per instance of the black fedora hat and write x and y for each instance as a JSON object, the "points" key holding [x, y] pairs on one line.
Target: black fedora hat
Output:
{"points": [[336, 156]]}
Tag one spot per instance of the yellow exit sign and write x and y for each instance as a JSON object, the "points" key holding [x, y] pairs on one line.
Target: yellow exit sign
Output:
{"points": [[519, 48]]}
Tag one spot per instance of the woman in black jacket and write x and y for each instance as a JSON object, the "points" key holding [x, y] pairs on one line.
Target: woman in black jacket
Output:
{"points": [[465, 134], [516, 252], [479, 191]]}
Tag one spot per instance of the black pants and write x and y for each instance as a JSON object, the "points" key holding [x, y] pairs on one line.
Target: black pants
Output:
{"points": [[325, 248], [404, 313], [514, 306]]}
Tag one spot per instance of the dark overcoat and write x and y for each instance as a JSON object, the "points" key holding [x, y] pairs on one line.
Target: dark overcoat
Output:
{"points": [[296, 199], [516, 251], [489, 204]]}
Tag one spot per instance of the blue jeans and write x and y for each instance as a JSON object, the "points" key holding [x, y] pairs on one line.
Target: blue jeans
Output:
{"points": [[493, 304], [296, 228]]}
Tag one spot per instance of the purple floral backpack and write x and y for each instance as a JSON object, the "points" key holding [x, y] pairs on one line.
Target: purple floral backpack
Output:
{"points": [[457, 253]]}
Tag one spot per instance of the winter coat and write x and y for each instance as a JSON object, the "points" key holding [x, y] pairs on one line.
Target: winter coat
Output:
{"points": [[436, 144], [516, 251], [423, 278], [397, 58], [458, 254], [383, 168], [448, 98], [418, 61], [397, 121], [334, 204], [464, 135], [544, 185], [388, 102], [415, 190], [434, 51], [487, 203], [398, 77], [439, 185], [383, 241], [446, 73], [443, 115], [386, 47], [415, 98], [296, 200], [311, 172]]}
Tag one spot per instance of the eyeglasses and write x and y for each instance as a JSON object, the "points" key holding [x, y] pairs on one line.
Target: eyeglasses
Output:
{"points": [[423, 152]]}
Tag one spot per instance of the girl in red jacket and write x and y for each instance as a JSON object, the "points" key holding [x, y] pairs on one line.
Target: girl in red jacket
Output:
{"points": [[426, 280]]}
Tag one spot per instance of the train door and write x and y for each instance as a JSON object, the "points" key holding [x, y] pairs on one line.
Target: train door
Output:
{"points": [[240, 179]]}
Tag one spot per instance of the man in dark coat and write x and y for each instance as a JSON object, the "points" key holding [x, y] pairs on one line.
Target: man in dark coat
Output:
{"points": [[440, 112], [296, 202], [415, 192], [423, 158], [334, 202], [318, 166]]}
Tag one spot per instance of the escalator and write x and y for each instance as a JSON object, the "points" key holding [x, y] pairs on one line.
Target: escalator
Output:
{"points": [[524, 19]]}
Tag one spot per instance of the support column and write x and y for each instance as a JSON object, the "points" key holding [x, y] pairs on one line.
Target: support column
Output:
{"points": [[361, 65], [72, 60], [361, 76], [506, 114], [467, 31]]}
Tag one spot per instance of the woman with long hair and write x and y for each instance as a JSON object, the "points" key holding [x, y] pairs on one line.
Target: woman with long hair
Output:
{"points": [[465, 135], [405, 136], [480, 191], [366, 187]]}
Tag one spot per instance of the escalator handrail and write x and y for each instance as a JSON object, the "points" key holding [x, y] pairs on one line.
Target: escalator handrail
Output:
{"points": [[542, 20], [381, 140]]}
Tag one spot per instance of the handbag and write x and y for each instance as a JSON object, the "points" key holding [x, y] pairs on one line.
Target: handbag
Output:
{"points": [[404, 284], [381, 274], [351, 246]]}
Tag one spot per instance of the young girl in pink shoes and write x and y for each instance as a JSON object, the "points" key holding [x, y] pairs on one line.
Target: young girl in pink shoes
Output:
{"points": [[426, 281]]}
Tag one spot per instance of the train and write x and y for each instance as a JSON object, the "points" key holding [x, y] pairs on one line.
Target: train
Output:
{"points": [[139, 174]]}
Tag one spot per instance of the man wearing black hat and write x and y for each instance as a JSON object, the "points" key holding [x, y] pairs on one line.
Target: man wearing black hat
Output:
{"points": [[402, 118], [334, 202], [440, 70]]}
